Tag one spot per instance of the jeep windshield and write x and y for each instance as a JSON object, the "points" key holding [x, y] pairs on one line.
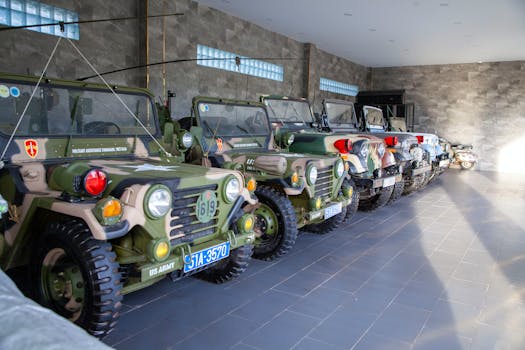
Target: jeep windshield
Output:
{"points": [[230, 120], [58, 110], [341, 115], [374, 118], [398, 124], [290, 112]]}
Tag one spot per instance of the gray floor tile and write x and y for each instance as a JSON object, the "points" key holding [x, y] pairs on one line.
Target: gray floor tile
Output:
{"points": [[321, 302], [372, 341], [222, 334], [266, 306], [302, 283], [401, 322], [282, 332], [314, 344]]}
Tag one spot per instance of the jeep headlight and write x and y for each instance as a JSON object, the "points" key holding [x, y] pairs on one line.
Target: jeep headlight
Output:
{"points": [[363, 151], [186, 140], [311, 175], [290, 139], [158, 201], [381, 150], [232, 189], [339, 168]]}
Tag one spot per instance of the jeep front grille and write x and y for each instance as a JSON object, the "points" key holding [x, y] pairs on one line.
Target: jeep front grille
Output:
{"points": [[324, 183], [184, 224]]}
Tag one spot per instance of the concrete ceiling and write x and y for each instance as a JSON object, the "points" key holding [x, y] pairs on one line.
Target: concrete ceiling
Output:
{"points": [[385, 33]]}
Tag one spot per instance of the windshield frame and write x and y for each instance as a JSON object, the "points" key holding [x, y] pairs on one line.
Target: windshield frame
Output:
{"points": [[288, 122], [353, 126], [210, 132], [51, 84], [374, 127]]}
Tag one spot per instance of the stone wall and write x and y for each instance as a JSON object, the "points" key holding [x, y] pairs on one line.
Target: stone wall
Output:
{"points": [[110, 45], [481, 104], [325, 65]]}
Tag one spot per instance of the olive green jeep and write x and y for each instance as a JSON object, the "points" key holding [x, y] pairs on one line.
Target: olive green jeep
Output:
{"points": [[94, 206], [294, 190]]}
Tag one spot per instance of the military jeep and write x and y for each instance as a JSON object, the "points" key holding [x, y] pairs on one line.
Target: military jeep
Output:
{"points": [[371, 170], [95, 209], [429, 142], [415, 161], [294, 191]]}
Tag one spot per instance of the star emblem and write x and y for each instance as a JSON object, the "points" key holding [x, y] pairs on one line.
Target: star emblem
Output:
{"points": [[151, 167]]}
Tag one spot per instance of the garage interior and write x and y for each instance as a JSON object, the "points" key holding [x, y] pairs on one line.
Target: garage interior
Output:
{"points": [[443, 268]]}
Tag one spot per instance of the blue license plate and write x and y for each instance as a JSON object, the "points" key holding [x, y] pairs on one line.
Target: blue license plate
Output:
{"points": [[207, 256], [333, 210]]}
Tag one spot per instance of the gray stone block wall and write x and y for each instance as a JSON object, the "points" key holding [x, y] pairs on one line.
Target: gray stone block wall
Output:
{"points": [[480, 104], [209, 27], [328, 66], [110, 45]]}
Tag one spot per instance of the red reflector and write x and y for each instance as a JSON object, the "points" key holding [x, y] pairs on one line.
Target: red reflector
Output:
{"points": [[391, 141], [420, 138], [342, 145], [95, 182]]}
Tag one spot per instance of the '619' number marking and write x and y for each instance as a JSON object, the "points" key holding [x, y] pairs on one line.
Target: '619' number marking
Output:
{"points": [[206, 206]]}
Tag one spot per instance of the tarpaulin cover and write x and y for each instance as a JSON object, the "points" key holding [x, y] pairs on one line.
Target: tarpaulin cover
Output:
{"points": [[26, 325]]}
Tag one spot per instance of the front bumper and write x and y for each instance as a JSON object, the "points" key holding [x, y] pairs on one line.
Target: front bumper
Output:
{"points": [[151, 272], [321, 215], [420, 170]]}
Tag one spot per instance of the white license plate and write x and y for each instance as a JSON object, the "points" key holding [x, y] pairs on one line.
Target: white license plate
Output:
{"points": [[444, 163], [389, 181], [207, 256], [332, 210]]}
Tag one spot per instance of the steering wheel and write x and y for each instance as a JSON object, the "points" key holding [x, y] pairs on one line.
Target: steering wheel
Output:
{"points": [[99, 127]]}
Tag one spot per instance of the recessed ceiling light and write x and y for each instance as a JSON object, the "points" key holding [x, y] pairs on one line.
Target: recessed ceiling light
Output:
{"points": [[405, 50], [443, 4], [391, 41], [372, 29], [348, 14], [480, 61], [457, 22]]}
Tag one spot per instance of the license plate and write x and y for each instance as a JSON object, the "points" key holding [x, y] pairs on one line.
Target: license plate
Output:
{"points": [[207, 256], [332, 210], [444, 163], [389, 181]]}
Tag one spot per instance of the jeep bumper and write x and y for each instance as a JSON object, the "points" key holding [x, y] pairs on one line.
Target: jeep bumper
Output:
{"points": [[420, 170]]}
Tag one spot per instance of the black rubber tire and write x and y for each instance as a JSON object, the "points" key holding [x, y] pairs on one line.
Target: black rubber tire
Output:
{"points": [[397, 192], [351, 209], [229, 268], [426, 180], [100, 273], [287, 221], [467, 165], [327, 225], [377, 201], [413, 184]]}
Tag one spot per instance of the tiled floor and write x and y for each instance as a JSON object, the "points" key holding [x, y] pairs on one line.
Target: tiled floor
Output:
{"points": [[440, 269]]}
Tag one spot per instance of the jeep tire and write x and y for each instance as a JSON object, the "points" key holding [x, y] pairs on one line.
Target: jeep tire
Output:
{"points": [[77, 276], [275, 224], [378, 200], [229, 268], [397, 192], [351, 209]]}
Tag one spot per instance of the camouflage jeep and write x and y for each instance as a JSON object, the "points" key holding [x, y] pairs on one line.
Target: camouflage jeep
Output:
{"points": [[371, 170], [95, 209], [410, 155], [429, 142], [295, 191]]}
